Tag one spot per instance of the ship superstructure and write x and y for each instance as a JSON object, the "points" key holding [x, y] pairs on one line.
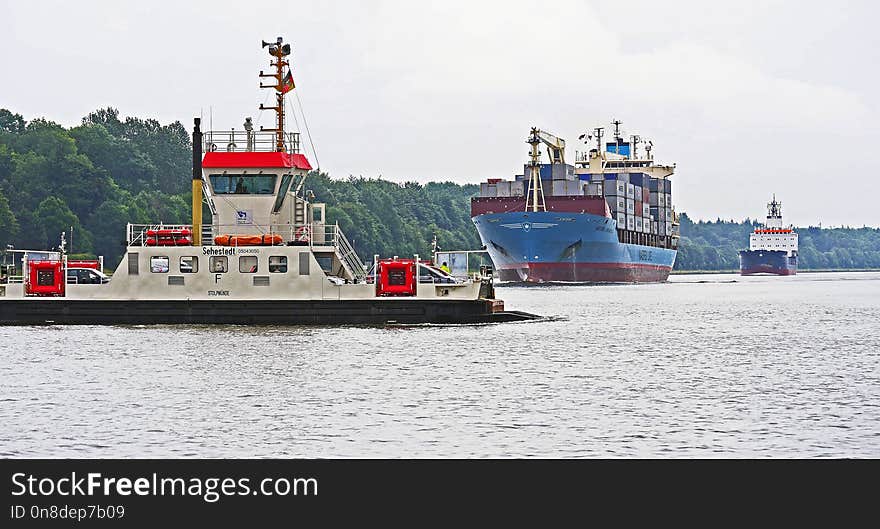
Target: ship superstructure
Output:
{"points": [[773, 247], [606, 218], [268, 256]]}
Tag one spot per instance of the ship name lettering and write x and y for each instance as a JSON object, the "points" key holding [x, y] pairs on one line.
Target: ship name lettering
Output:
{"points": [[212, 250], [218, 292]]}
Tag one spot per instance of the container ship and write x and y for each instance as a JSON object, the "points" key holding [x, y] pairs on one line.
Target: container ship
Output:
{"points": [[773, 247], [608, 218], [268, 256]]}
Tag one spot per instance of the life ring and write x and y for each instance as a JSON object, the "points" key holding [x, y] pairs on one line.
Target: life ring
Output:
{"points": [[230, 147], [212, 147], [302, 234]]}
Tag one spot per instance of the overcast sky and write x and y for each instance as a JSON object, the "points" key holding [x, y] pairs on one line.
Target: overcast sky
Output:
{"points": [[747, 98]]}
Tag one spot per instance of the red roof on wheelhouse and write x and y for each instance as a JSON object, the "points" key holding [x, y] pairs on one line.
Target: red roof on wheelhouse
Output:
{"points": [[255, 159]]}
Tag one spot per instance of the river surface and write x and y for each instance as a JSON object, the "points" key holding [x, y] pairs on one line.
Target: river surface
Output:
{"points": [[702, 366]]}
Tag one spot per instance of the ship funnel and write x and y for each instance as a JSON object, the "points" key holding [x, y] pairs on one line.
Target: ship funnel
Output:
{"points": [[197, 184]]}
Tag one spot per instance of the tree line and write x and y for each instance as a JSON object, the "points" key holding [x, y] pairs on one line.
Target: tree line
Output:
{"points": [[110, 170], [715, 245]]}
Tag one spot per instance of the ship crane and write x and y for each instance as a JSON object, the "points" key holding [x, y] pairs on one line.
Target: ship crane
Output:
{"points": [[555, 145]]}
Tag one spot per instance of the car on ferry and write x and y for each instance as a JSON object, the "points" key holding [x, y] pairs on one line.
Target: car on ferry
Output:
{"points": [[86, 276]]}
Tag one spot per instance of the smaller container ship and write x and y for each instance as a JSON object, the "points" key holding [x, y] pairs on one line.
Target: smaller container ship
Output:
{"points": [[773, 248]]}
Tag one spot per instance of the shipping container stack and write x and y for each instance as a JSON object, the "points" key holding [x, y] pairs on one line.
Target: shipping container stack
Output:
{"points": [[497, 187], [660, 200], [641, 204], [558, 180]]}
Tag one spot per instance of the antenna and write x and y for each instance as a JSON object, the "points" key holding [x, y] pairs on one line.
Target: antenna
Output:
{"points": [[616, 124], [635, 140], [598, 132], [278, 52], [774, 208]]}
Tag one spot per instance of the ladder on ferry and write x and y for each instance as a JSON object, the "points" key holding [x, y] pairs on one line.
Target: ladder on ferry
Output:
{"points": [[348, 256]]}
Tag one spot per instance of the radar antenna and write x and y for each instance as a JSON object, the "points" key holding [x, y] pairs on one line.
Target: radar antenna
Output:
{"points": [[774, 209], [635, 140]]}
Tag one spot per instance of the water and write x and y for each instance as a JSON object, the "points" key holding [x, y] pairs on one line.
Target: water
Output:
{"points": [[704, 366]]}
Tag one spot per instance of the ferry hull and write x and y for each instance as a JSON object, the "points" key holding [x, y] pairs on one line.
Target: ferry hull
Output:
{"points": [[62, 311], [582, 247], [770, 262]]}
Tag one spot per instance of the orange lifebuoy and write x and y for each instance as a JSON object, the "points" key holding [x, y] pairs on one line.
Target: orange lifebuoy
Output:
{"points": [[303, 234]]}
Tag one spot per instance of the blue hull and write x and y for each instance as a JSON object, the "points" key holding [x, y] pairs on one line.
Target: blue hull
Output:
{"points": [[552, 246], [775, 262]]}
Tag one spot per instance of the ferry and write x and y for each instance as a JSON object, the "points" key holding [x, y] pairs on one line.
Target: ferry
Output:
{"points": [[773, 247], [268, 256]]}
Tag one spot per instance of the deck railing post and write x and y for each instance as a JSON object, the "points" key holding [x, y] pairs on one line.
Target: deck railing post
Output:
{"points": [[417, 275]]}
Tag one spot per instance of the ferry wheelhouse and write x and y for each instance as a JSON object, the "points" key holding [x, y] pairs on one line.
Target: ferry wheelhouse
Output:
{"points": [[268, 256]]}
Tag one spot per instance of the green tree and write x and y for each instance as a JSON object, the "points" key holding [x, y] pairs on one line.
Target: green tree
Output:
{"points": [[55, 217], [9, 122], [8, 223]]}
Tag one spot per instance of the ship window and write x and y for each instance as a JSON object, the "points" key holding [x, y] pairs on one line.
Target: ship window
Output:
{"points": [[159, 264], [247, 264], [218, 264], [243, 184], [189, 264], [278, 264]]}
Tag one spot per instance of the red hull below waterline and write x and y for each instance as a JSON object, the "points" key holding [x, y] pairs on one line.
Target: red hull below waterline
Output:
{"points": [[585, 272], [768, 271]]}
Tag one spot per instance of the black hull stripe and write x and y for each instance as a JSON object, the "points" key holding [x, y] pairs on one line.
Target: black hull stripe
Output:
{"points": [[328, 312]]}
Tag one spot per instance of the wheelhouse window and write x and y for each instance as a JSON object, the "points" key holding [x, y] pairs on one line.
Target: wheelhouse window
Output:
{"points": [[243, 184], [218, 264], [159, 264], [247, 264], [278, 264], [189, 264]]}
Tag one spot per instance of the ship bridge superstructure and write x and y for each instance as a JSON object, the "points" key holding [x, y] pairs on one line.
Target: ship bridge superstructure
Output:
{"points": [[774, 235]]}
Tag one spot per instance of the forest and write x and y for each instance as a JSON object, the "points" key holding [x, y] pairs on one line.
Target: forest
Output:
{"points": [[111, 170]]}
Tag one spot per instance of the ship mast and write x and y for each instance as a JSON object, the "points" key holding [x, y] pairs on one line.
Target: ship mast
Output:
{"points": [[774, 209], [535, 196], [278, 52]]}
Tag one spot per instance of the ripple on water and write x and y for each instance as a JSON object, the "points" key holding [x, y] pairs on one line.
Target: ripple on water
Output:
{"points": [[703, 366]]}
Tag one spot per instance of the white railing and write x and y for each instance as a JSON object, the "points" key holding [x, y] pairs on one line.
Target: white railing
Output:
{"points": [[136, 234], [347, 254], [244, 141], [307, 234]]}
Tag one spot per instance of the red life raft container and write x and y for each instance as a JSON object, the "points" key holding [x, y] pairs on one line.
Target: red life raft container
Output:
{"points": [[45, 278], [173, 233], [169, 237], [94, 264], [396, 277]]}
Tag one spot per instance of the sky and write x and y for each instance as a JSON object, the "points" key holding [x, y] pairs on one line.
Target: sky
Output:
{"points": [[747, 98]]}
